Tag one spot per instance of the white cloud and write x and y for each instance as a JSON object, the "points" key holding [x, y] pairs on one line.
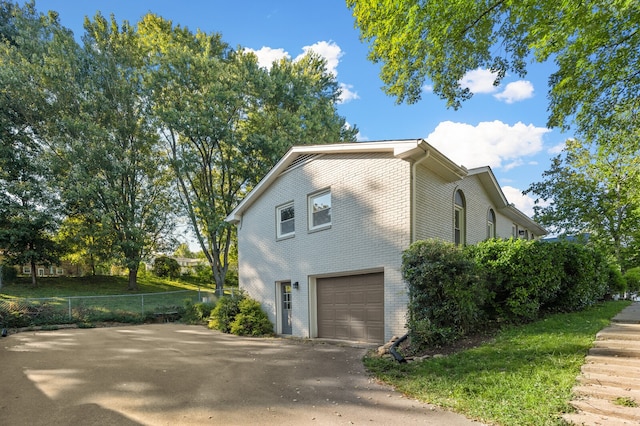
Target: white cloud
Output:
{"points": [[516, 91], [488, 144], [266, 55], [427, 88], [479, 81], [556, 149], [347, 94], [524, 203], [330, 51]]}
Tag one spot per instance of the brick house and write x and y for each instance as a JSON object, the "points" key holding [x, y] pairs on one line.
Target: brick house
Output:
{"points": [[320, 238]]}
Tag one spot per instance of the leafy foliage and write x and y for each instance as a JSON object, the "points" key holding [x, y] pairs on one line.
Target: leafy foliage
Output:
{"points": [[632, 278], [251, 320], [593, 44], [164, 266], [240, 315], [594, 190], [197, 313], [225, 311], [226, 121], [454, 291], [520, 275], [445, 297], [28, 213]]}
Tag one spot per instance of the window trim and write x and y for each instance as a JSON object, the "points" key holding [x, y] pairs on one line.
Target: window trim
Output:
{"points": [[310, 212], [491, 223], [459, 210], [279, 209]]}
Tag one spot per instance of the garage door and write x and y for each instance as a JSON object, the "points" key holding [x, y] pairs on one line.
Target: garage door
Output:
{"points": [[351, 307]]}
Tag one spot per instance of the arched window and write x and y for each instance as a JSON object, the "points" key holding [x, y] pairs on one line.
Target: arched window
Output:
{"points": [[459, 230], [491, 224]]}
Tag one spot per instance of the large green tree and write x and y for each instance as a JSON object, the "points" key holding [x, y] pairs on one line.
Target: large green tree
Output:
{"points": [[28, 201], [113, 173], [594, 189], [226, 121], [595, 45]]}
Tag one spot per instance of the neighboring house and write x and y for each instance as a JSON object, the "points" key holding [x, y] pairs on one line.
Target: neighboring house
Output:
{"points": [[63, 269], [189, 265], [320, 238]]}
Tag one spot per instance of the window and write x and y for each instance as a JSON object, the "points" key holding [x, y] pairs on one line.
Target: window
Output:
{"points": [[59, 271], [320, 210], [491, 224], [459, 219], [26, 269], [286, 220]]}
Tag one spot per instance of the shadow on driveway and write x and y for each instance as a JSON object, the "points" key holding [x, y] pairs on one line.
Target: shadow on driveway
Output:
{"points": [[174, 374]]}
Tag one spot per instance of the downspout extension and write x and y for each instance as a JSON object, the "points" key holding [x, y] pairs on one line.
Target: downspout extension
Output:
{"points": [[392, 349]]}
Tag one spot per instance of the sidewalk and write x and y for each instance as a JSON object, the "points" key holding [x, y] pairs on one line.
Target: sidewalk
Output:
{"points": [[608, 390]]}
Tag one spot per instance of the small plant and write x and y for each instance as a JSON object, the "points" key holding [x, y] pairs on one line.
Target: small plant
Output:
{"points": [[625, 401], [197, 313], [251, 320], [225, 312]]}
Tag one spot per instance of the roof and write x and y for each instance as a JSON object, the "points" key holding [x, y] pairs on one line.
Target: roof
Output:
{"points": [[409, 150]]}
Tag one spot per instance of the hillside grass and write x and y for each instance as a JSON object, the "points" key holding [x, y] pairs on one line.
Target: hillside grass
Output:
{"points": [[524, 376], [98, 285], [87, 301]]}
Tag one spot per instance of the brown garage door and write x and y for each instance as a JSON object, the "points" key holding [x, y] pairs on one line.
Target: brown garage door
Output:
{"points": [[351, 307]]}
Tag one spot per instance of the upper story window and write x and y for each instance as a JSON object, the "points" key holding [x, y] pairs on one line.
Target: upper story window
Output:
{"points": [[286, 220], [491, 224], [320, 210], [459, 225]]}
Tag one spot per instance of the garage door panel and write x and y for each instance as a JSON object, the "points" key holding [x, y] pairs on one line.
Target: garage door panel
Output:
{"points": [[351, 307]]}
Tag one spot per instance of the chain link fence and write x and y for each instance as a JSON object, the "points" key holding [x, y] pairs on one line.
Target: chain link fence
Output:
{"points": [[133, 308]]}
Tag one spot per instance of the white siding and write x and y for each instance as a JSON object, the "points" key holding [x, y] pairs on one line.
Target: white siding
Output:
{"points": [[370, 228], [434, 208]]}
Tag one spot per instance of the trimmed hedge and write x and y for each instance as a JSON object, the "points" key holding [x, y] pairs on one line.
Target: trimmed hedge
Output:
{"points": [[454, 291], [445, 295]]}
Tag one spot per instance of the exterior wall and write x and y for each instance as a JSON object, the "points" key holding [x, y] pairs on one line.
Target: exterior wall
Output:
{"points": [[434, 208], [370, 197]]}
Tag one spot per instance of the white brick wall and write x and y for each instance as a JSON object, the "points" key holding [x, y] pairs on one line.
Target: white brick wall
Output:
{"points": [[434, 201], [370, 228]]}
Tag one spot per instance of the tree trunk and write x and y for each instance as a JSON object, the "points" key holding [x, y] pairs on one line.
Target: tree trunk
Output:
{"points": [[34, 282], [133, 279]]}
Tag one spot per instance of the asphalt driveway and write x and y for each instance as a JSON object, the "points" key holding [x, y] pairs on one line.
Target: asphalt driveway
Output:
{"points": [[173, 374]]}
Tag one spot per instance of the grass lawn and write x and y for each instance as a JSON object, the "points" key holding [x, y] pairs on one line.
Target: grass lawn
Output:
{"points": [[87, 300], [92, 286], [524, 376]]}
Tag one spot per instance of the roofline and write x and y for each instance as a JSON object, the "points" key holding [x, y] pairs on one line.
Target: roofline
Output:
{"points": [[492, 177], [406, 149], [508, 209], [514, 213]]}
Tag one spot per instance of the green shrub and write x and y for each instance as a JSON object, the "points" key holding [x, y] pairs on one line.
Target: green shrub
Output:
{"points": [[197, 313], [164, 266], [617, 284], [251, 320], [584, 279], [9, 273], [520, 276], [632, 277], [225, 311], [445, 296]]}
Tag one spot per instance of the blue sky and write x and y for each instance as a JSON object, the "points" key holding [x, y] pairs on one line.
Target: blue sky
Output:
{"points": [[502, 127]]}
